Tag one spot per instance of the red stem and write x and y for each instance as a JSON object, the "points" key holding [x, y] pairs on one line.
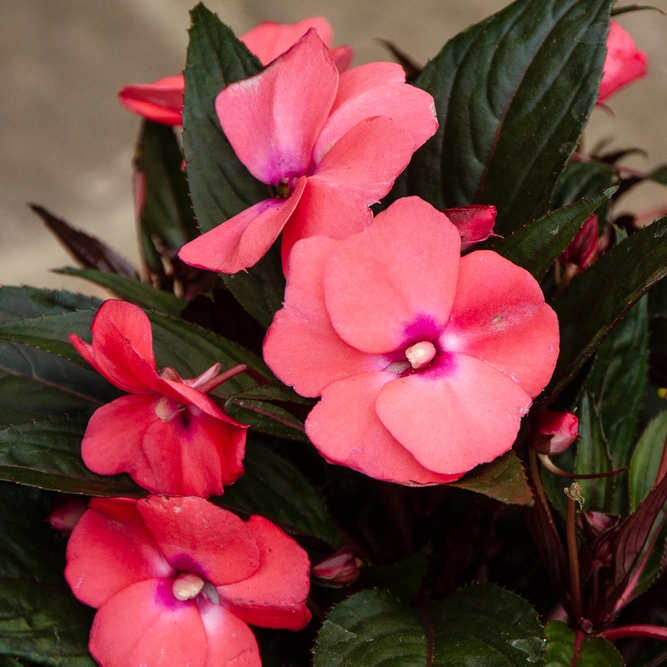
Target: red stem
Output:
{"points": [[573, 557], [648, 631], [578, 642]]}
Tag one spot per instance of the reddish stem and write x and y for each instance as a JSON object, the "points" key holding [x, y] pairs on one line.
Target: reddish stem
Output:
{"points": [[573, 558], [662, 468], [552, 467], [648, 631], [578, 642]]}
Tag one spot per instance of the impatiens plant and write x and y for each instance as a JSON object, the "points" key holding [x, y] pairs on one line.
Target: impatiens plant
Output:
{"points": [[390, 388]]}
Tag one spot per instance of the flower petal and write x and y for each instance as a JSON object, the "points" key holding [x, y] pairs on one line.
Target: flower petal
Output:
{"points": [[346, 430], [301, 346], [458, 414], [378, 89], [230, 641], [122, 348], [273, 119], [275, 595], [342, 56], [268, 40], [145, 625], [393, 284], [358, 171], [160, 101], [499, 316], [624, 62], [198, 537], [244, 239], [109, 550]]}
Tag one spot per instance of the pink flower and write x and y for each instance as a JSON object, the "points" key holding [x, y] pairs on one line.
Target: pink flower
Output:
{"points": [[475, 223], [167, 434], [624, 62], [553, 432], [339, 569], [426, 361], [177, 580], [583, 249], [162, 101], [329, 145]]}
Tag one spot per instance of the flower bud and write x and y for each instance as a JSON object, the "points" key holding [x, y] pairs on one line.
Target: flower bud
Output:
{"points": [[553, 432], [475, 223], [624, 62], [67, 511], [340, 569], [583, 249]]}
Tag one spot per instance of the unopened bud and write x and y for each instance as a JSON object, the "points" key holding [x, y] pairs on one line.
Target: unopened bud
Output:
{"points": [[553, 432], [341, 569], [583, 249], [67, 512], [474, 223]]}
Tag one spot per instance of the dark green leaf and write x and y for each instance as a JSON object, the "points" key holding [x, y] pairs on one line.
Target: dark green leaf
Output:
{"points": [[593, 457], [512, 94], [403, 579], [261, 290], [220, 184], [536, 246], [272, 392], [17, 303], [503, 479], [646, 461], [659, 175], [582, 179], [633, 8], [128, 289], [47, 454], [598, 299], [595, 651], [88, 250], [275, 489], [166, 214], [481, 625], [267, 418]]}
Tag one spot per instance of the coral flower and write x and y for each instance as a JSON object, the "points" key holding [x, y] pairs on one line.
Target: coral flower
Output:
{"points": [[162, 101], [624, 62], [329, 146], [176, 580], [167, 433], [426, 361]]}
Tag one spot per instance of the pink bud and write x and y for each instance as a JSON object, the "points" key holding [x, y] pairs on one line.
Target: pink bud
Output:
{"points": [[624, 62], [475, 223], [553, 432], [68, 510], [583, 249], [340, 569]]}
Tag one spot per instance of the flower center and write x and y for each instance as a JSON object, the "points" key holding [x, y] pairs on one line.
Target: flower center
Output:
{"points": [[187, 586], [282, 188], [420, 354]]}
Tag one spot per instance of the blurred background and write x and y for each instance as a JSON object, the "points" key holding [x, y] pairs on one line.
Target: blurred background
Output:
{"points": [[67, 144]]}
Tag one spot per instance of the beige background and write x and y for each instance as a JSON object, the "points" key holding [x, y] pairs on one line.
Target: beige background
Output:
{"points": [[67, 144]]}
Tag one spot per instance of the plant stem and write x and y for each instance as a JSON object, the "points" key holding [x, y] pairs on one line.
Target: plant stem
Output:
{"points": [[573, 559], [648, 631]]}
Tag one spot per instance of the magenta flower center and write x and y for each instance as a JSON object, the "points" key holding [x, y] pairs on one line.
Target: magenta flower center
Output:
{"points": [[420, 354]]}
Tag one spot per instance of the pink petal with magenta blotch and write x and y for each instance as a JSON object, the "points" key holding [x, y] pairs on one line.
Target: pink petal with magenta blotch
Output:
{"points": [[358, 171], [301, 345], [274, 596], [454, 416], [244, 239], [273, 119], [378, 89], [268, 40], [144, 624], [199, 537], [394, 284], [499, 316], [346, 430], [110, 549]]}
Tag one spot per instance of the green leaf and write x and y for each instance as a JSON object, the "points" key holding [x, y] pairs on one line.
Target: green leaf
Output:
{"points": [[17, 303], [220, 185], [138, 293], [267, 418], [481, 625], [47, 454], [512, 94], [593, 457], [261, 289], [502, 479], [595, 651], [39, 618], [582, 179], [166, 214], [646, 461], [597, 300], [403, 579], [659, 175], [537, 245], [275, 489]]}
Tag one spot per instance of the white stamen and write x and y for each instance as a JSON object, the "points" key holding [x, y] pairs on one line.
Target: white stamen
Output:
{"points": [[420, 354], [187, 586]]}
